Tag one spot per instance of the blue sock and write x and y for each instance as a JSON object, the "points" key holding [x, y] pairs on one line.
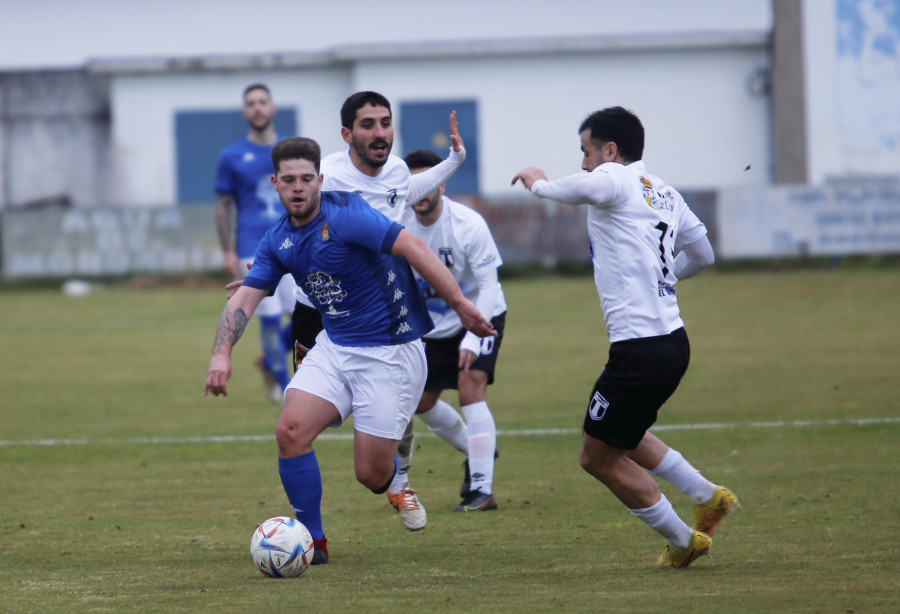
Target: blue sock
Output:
{"points": [[274, 352], [303, 486], [287, 336]]}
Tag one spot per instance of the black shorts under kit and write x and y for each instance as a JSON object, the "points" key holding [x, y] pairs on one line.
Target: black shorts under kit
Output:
{"points": [[443, 357], [640, 375]]}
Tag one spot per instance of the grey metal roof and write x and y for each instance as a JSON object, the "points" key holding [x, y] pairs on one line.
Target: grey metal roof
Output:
{"points": [[348, 54]]}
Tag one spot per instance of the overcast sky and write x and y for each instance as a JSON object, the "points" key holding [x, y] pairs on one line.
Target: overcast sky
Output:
{"points": [[70, 33]]}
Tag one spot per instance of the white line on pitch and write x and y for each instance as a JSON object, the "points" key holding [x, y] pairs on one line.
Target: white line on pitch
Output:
{"points": [[711, 426]]}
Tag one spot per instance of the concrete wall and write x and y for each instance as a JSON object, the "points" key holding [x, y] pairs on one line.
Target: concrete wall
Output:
{"points": [[704, 126], [705, 121], [54, 138], [144, 107]]}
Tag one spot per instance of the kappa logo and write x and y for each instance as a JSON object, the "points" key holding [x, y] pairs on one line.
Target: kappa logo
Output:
{"points": [[287, 244], [489, 259], [598, 406]]}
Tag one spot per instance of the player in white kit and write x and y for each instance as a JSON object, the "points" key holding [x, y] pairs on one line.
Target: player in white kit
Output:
{"points": [[457, 360], [636, 223]]}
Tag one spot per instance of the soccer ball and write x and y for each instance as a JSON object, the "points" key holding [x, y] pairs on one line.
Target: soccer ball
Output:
{"points": [[281, 547]]}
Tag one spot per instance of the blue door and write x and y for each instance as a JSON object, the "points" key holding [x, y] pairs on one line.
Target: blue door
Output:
{"points": [[426, 125], [200, 136]]}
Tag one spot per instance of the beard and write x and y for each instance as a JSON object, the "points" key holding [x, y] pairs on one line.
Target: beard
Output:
{"points": [[261, 124], [366, 154], [431, 204]]}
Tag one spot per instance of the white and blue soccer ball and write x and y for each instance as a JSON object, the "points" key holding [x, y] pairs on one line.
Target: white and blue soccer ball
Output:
{"points": [[281, 547]]}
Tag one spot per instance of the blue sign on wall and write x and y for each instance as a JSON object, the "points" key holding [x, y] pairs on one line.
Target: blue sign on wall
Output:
{"points": [[426, 125], [200, 136]]}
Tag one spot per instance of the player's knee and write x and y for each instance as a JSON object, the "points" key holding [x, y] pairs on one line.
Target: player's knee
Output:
{"points": [[290, 438], [584, 459], [472, 389], [425, 406], [375, 480], [591, 464]]}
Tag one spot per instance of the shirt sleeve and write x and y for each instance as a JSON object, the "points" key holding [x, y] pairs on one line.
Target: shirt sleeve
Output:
{"points": [[693, 258], [266, 271], [488, 289], [424, 183], [596, 188], [690, 228], [484, 259], [363, 225]]}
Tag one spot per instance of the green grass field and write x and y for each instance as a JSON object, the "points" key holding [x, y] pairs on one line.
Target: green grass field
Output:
{"points": [[122, 488]]}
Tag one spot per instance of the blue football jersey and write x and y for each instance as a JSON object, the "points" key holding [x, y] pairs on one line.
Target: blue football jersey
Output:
{"points": [[244, 173], [341, 259]]}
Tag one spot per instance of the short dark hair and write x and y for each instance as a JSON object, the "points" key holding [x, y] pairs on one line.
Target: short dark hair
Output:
{"points": [[296, 148], [422, 158], [617, 125], [357, 101], [256, 86]]}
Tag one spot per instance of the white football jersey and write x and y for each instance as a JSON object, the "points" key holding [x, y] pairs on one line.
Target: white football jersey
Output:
{"points": [[386, 192], [389, 190], [462, 240], [635, 224]]}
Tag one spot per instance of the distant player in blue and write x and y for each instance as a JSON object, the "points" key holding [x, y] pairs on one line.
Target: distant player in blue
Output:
{"points": [[369, 361], [243, 182]]}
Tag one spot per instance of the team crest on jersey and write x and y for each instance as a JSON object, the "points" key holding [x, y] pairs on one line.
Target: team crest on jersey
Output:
{"points": [[598, 406], [325, 232], [446, 254], [392, 197], [325, 289], [648, 191]]}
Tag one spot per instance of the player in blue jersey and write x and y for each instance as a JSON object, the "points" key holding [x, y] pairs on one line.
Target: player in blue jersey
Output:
{"points": [[243, 182], [354, 265]]}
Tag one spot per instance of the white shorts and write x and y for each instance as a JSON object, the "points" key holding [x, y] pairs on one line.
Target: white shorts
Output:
{"points": [[380, 386], [281, 302]]}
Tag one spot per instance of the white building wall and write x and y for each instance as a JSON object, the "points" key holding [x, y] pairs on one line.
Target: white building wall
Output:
{"points": [[822, 91], [143, 115], [853, 99], [703, 127]]}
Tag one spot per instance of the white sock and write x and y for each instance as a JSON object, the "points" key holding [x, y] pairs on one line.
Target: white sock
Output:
{"points": [[675, 470], [446, 423], [404, 460], [661, 517], [482, 444]]}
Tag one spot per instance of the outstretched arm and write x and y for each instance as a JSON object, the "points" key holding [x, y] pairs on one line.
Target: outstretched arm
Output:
{"points": [[435, 272], [583, 188], [424, 183], [232, 324]]}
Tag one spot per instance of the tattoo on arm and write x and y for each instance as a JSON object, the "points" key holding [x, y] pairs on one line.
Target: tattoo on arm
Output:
{"points": [[231, 327]]}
